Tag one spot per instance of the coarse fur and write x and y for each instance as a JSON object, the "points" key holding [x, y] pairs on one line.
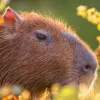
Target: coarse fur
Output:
{"points": [[35, 65]]}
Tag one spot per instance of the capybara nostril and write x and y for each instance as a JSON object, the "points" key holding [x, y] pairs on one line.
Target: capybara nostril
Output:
{"points": [[89, 68]]}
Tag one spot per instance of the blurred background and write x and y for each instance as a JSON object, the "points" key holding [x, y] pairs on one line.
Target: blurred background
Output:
{"points": [[66, 11]]}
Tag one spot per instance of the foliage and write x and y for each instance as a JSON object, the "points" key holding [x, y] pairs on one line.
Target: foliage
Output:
{"points": [[14, 93], [57, 93], [97, 51], [91, 14], [3, 4], [1, 20]]}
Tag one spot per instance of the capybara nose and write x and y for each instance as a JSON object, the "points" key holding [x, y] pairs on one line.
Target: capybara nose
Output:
{"points": [[89, 68]]}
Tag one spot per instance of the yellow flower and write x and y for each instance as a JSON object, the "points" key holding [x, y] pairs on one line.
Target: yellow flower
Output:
{"points": [[82, 8], [4, 91], [93, 19], [3, 4], [92, 15], [97, 96], [98, 26], [1, 20], [81, 11], [98, 38], [25, 95], [91, 11], [10, 97]]}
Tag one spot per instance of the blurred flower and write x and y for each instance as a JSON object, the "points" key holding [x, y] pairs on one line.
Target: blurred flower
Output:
{"points": [[55, 88], [3, 4], [45, 95], [98, 38], [91, 11], [92, 15], [1, 20], [14, 92], [97, 51], [64, 93], [97, 97], [83, 8], [4, 91], [81, 11], [10, 97], [25, 95], [98, 26]]}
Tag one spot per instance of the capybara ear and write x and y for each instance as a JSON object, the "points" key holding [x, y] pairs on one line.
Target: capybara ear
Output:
{"points": [[9, 19], [10, 16]]}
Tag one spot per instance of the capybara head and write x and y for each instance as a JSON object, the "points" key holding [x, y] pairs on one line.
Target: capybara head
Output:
{"points": [[36, 52]]}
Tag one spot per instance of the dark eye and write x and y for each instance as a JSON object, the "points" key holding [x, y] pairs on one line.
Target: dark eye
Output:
{"points": [[41, 36]]}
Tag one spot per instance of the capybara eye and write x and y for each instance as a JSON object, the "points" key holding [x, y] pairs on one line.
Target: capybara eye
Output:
{"points": [[41, 36]]}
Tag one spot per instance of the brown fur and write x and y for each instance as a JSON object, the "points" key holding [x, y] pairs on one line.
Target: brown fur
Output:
{"points": [[34, 65]]}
